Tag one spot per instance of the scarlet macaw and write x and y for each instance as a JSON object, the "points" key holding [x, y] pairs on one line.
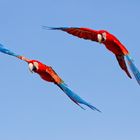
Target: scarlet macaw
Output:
{"points": [[109, 40], [48, 74]]}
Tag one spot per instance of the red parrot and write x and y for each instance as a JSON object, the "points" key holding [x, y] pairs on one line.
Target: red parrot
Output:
{"points": [[109, 40], [48, 74]]}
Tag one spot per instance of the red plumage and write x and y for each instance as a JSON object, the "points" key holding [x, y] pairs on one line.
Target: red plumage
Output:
{"points": [[45, 72], [104, 37]]}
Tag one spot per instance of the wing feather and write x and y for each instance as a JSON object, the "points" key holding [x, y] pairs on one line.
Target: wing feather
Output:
{"points": [[54, 75], [82, 32], [122, 64]]}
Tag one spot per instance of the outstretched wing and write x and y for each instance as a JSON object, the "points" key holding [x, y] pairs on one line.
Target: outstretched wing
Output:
{"points": [[122, 64], [7, 51], [82, 32]]}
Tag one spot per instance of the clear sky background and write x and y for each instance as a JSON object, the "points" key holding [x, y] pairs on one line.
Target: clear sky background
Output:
{"points": [[32, 109]]}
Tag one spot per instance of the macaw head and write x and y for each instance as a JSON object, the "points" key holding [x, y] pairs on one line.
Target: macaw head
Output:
{"points": [[101, 37], [33, 66]]}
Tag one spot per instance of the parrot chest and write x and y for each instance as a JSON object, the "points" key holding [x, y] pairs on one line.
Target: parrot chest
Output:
{"points": [[115, 48], [45, 76], [114, 45]]}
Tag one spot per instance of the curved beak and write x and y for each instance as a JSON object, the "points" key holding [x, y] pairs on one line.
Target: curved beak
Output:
{"points": [[99, 37], [31, 67]]}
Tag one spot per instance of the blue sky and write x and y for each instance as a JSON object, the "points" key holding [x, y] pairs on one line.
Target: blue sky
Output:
{"points": [[32, 109]]}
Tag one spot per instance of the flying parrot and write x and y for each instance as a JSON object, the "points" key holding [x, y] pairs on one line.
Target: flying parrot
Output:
{"points": [[48, 74], [109, 40]]}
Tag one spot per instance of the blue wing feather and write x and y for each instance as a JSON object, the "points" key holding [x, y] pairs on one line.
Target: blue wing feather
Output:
{"points": [[56, 28], [6, 51]]}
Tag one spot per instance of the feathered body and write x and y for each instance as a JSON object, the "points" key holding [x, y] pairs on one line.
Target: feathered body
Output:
{"points": [[45, 72], [48, 74], [102, 36]]}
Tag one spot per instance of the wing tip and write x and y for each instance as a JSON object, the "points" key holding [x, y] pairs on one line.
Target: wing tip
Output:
{"points": [[53, 28], [95, 109], [92, 107]]}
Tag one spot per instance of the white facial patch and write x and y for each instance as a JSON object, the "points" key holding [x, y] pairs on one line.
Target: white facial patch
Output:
{"points": [[36, 65], [104, 35]]}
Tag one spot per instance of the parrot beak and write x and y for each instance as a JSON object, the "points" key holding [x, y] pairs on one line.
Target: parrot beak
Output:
{"points": [[99, 37], [31, 67]]}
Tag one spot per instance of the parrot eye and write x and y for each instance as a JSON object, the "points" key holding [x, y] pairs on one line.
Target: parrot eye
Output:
{"points": [[35, 65], [103, 37]]}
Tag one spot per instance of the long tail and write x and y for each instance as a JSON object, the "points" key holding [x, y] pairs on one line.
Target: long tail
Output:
{"points": [[133, 68], [6, 51], [74, 97]]}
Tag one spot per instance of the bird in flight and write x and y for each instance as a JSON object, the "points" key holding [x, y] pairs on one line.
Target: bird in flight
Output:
{"points": [[48, 74], [111, 43]]}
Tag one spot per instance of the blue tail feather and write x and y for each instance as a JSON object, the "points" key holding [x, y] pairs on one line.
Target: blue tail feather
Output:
{"points": [[6, 51], [133, 68], [75, 98]]}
